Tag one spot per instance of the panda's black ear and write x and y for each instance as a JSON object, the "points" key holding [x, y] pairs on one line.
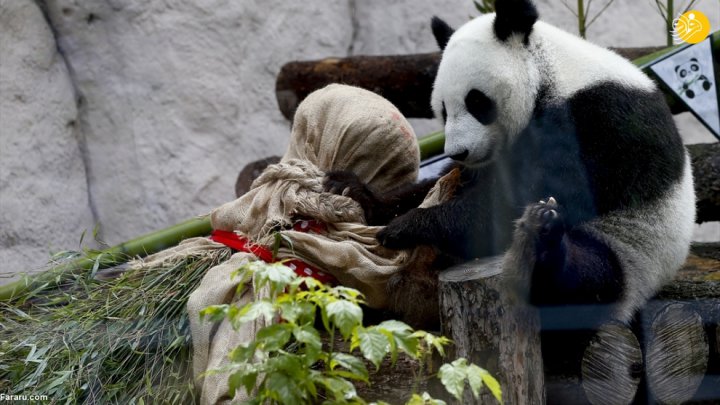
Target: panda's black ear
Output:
{"points": [[514, 17], [693, 59], [442, 31]]}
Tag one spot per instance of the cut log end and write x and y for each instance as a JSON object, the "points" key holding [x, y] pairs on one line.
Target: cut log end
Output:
{"points": [[612, 366], [677, 354]]}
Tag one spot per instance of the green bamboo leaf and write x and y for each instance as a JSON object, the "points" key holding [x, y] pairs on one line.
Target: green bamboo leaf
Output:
{"points": [[345, 315], [62, 377], [373, 345], [276, 244]]}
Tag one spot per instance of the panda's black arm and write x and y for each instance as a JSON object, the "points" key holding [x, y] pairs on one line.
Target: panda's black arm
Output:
{"points": [[575, 268], [456, 227], [379, 209], [397, 202]]}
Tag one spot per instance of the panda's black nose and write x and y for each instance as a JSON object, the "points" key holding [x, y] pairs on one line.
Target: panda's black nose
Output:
{"points": [[460, 156]]}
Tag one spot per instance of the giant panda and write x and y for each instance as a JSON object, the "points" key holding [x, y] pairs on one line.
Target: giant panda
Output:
{"points": [[570, 161]]}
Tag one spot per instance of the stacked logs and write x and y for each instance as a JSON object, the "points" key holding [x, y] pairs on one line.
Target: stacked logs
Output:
{"points": [[672, 355]]}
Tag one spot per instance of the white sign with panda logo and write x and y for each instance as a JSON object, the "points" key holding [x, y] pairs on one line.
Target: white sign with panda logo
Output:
{"points": [[689, 73]]}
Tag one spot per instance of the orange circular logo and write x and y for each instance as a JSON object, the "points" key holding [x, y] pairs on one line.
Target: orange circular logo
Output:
{"points": [[691, 27]]}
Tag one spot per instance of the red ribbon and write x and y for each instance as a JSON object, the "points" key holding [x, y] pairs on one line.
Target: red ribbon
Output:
{"points": [[302, 269]]}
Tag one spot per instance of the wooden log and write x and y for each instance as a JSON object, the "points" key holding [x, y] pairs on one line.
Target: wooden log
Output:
{"points": [[250, 172], [677, 354], [489, 330], [706, 171], [612, 366], [405, 80]]}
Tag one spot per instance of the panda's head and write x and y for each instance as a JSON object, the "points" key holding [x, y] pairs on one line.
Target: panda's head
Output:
{"points": [[487, 81]]}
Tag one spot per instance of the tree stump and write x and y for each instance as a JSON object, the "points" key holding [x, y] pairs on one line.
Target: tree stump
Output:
{"points": [[488, 329]]}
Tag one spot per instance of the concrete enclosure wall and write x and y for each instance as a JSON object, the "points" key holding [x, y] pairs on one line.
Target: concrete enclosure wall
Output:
{"points": [[136, 114]]}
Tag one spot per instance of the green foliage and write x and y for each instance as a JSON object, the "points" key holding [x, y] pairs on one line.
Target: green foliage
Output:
{"points": [[455, 374], [124, 340], [485, 6], [288, 363]]}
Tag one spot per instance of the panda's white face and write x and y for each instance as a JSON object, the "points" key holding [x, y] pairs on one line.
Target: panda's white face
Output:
{"points": [[485, 91]]}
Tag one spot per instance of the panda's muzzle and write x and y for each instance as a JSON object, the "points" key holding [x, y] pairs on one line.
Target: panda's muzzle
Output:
{"points": [[460, 156]]}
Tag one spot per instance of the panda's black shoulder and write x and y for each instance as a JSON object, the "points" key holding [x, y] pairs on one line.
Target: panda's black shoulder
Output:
{"points": [[628, 143]]}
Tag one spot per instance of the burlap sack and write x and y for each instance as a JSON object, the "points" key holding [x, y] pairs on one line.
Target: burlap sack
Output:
{"points": [[335, 128]]}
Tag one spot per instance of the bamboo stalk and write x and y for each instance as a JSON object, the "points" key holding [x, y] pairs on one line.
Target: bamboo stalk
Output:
{"points": [[581, 18], [669, 18], [432, 145], [118, 254]]}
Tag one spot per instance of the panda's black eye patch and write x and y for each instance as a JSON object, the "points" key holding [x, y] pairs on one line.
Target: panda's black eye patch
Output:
{"points": [[481, 107], [694, 68], [444, 112]]}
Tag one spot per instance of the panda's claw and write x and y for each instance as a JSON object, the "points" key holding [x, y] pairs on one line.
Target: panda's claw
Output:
{"points": [[346, 184], [543, 220]]}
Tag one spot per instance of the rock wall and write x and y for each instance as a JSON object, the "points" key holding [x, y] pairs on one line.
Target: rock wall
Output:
{"points": [[150, 108], [43, 186]]}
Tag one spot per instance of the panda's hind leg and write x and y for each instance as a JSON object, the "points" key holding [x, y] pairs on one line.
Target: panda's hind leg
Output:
{"points": [[565, 267]]}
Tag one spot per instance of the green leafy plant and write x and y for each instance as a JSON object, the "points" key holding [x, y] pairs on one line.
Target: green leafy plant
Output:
{"points": [[288, 362]]}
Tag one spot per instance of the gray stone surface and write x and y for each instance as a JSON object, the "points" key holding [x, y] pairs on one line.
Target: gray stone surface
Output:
{"points": [[155, 106], [43, 191]]}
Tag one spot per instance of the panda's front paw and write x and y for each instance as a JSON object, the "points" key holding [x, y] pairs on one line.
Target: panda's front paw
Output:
{"points": [[348, 184], [544, 220], [400, 233]]}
